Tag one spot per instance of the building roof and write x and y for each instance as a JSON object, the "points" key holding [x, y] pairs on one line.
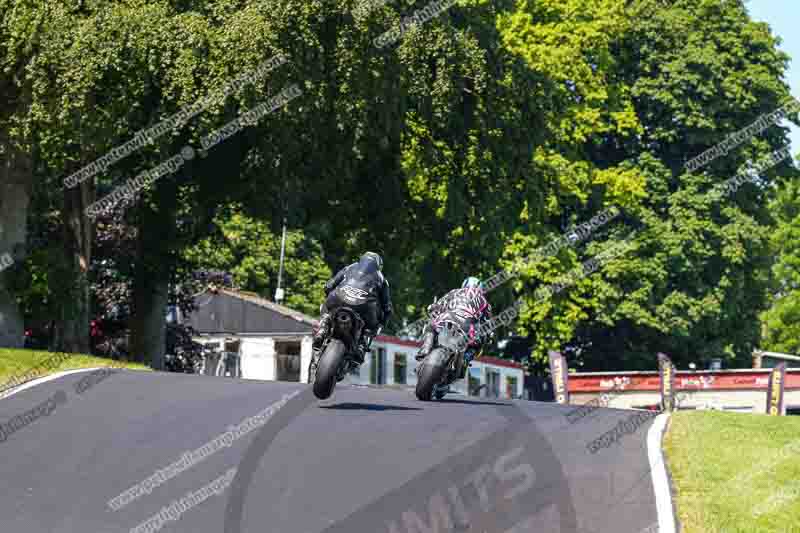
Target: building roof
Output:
{"points": [[272, 306], [230, 312]]}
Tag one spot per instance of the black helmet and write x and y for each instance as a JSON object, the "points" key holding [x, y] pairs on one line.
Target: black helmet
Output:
{"points": [[372, 257]]}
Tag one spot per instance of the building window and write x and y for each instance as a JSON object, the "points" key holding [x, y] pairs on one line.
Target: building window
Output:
{"points": [[400, 366], [493, 383], [473, 381], [287, 361], [511, 386], [377, 370]]}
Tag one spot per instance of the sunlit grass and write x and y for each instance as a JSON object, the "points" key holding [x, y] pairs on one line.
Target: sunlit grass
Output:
{"points": [[734, 472], [18, 362]]}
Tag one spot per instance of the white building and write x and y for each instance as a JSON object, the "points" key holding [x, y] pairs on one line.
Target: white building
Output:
{"points": [[260, 339], [391, 362]]}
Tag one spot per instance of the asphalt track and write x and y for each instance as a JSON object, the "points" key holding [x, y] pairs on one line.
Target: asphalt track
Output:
{"points": [[365, 461]]}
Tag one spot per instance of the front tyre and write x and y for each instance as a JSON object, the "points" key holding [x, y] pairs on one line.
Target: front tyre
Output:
{"points": [[328, 369], [430, 374]]}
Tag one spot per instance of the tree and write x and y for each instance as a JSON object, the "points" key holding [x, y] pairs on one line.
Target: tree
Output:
{"points": [[19, 27], [475, 139], [697, 277], [251, 253], [781, 322]]}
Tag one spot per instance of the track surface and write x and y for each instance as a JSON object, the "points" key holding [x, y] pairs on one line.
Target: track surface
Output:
{"points": [[337, 466]]}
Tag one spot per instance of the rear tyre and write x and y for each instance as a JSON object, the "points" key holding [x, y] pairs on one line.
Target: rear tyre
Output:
{"points": [[328, 369], [429, 376]]}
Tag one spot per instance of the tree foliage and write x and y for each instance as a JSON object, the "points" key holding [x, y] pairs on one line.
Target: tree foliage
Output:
{"points": [[697, 278], [459, 150], [251, 253], [781, 322]]}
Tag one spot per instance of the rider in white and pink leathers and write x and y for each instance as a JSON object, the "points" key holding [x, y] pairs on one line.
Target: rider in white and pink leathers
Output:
{"points": [[468, 308]]}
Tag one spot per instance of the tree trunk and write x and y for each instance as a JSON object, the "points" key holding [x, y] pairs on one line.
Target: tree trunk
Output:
{"points": [[151, 287], [16, 177], [74, 306], [157, 246], [148, 331]]}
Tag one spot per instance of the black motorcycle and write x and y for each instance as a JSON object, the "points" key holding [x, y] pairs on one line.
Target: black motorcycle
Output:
{"points": [[445, 363], [341, 351]]}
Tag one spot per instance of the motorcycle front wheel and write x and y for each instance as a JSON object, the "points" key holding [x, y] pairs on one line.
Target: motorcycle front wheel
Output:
{"points": [[328, 367]]}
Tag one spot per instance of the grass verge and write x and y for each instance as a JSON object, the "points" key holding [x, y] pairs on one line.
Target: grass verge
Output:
{"points": [[33, 364], [735, 472]]}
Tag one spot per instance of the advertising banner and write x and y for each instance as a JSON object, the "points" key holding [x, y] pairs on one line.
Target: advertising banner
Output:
{"points": [[777, 382], [560, 377], [667, 373]]}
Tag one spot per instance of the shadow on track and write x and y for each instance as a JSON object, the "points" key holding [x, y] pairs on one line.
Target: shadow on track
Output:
{"points": [[467, 402], [368, 407]]}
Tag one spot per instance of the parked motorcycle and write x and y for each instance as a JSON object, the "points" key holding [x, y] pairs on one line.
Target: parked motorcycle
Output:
{"points": [[446, 362], [340, 352], [183, 354]]}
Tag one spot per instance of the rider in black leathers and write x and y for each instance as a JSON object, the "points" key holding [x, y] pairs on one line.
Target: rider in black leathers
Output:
{"points": [[467, 307], [362, 287]]}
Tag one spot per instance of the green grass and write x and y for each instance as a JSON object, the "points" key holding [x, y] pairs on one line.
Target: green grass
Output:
{"points": [[17, 362], [727, 466]]}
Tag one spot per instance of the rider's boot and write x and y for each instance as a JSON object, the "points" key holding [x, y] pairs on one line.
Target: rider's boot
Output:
{"points": [[469, 355], [427, 346], [322, 330], [370, 336], [364, 344]]}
